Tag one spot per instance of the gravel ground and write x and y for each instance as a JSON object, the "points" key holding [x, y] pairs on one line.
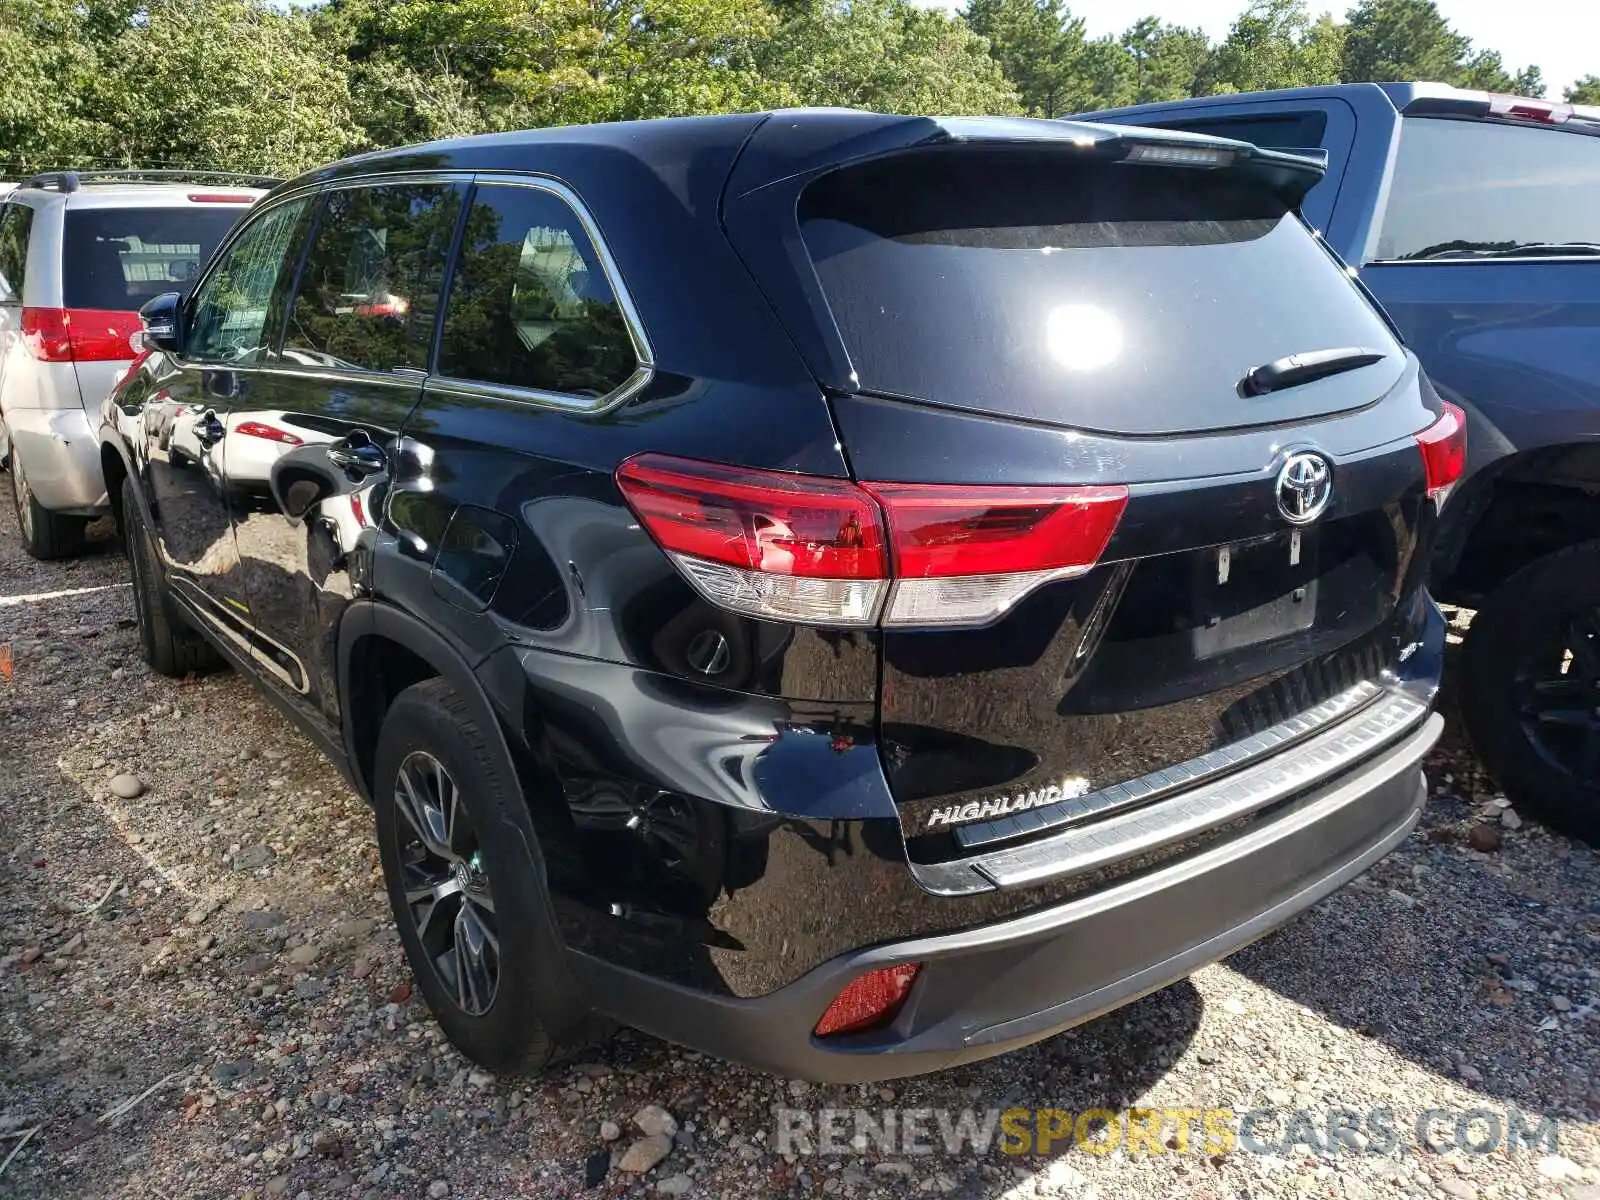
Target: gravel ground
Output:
{"points": [[200, 994]]}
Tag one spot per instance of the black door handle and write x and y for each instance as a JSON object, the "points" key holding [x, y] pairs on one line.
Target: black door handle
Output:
{"points": [[357, 454]]}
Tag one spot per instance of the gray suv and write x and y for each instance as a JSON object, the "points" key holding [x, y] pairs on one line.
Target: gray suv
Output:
{"points": [[79, 253]]}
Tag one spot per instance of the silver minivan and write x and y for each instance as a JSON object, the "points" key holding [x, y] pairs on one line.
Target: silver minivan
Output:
{"points": [[80, 252]]}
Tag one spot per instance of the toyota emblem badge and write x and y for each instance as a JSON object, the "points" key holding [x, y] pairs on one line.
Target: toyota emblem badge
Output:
{"points": [[1305, 485]]}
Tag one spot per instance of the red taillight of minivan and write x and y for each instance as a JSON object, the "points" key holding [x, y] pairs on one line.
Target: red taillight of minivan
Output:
{"points": [[830, 552], [79, 334], [1444, 452]]}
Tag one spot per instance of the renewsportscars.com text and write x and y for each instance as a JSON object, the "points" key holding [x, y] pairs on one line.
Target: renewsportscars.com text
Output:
{"points": [[1203, 1131]]}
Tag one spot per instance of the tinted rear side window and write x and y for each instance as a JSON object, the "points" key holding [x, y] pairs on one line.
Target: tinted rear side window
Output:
{"points": [[530, 304], [1291, 131], [1109, 296], [16, 220], [1472, 189], [369, 290], [117, 258]]}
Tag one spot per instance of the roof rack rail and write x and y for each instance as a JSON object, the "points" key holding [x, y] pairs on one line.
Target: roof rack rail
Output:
{"points": [[71, 181]]}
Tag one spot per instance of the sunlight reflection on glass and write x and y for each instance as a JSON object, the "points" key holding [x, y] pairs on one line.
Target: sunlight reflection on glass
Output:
{"points": [[1082, 337]]}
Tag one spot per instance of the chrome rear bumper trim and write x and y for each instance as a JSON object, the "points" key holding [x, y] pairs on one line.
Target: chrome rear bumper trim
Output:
{"points": [[1193, 811], [1178, 777]]}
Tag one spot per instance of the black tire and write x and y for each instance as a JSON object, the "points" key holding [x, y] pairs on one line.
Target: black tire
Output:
{"points": [[534, 1014], [45, 534], [167, 643], [1530, 689]]}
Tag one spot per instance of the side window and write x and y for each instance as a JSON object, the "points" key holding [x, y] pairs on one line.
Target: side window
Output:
{"points": [[369, 291], [1478, 189], [530, 304], [1288, 131], [16, 221], [229, 321]]}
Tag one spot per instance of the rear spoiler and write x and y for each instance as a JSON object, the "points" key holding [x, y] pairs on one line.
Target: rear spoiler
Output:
{"points": [[809, 141]]}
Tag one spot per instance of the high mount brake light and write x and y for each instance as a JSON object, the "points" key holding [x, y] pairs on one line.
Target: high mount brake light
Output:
{"points": [[1444, 452], [79, 334], [1521, 108], [829, 552]]}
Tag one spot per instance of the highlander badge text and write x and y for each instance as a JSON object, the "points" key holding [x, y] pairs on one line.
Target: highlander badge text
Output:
{"points": [[1003, 806]]}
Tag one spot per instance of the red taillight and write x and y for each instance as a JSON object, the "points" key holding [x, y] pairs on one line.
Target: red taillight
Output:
{"points": [[79, 334], [801, 547], [869, 1001], [270, 432], [966, 554], [221, 198], [1444, 451], [791, 547], [46, 334]]}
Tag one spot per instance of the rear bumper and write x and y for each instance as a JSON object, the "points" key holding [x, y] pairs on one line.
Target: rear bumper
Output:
{"points": [[61, 457], [988, 990]]}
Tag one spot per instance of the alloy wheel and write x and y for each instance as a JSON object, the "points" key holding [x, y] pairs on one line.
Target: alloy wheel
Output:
{"points": [[447, 892], [1558, 692]]}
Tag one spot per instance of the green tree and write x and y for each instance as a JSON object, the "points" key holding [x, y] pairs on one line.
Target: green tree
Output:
{"points": [[1487, 71], [509, 63], [1401, 40], [1043, 50], [47, 64], [886, 55], [1169, 61], [231, 83], [235, 84], [1275, 44], [1584, 91]]}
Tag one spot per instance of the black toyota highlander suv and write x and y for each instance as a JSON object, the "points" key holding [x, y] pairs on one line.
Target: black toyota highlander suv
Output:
{"points": [[852, 593]]}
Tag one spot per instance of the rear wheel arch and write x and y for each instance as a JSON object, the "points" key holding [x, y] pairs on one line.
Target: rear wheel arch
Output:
{"points": [[383, 651], [1520, 509]]}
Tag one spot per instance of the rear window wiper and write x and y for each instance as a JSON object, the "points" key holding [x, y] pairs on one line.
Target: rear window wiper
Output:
{"points": [[1295, 369]]}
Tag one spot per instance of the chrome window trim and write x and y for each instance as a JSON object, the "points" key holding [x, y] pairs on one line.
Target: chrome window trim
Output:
{"points": [[563, 401], [1126, 835], [644, 357]]}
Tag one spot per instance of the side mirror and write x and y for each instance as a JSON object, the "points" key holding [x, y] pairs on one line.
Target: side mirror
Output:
{"points": [[163, 322]]}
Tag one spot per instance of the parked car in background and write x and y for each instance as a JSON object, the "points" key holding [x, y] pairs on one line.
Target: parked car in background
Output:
{"points": [[79, 253], [894, 591], [1475, 220]]}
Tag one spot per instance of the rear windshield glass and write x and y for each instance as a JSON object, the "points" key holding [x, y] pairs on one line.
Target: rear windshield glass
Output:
{"points": [[117, 258], [1104, 295], [1477, 189]]}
